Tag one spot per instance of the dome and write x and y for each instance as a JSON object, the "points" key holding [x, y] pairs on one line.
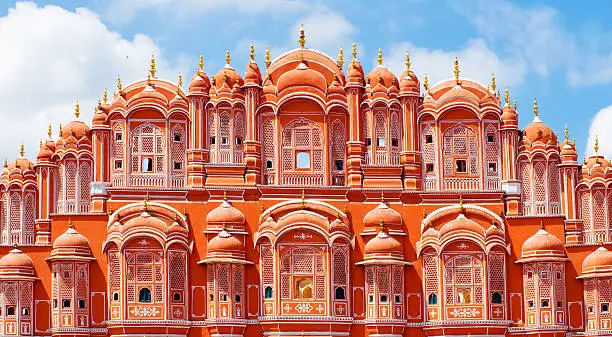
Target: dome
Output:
{"points": [[542, 246], [119, 102], [15, 259], [537, 131], [410, 83], [252, 74], [44, 154], [225, 214], [509, 115], [227, 75], [76, 129], [268, 87], [199, 83], [382, 213], [335, 88], [568, 152], [148, 92], [355, 73], [300, 77], [598, 263], [99, 117], [459, 92], [178, 101], [461, 223], [71, 239], [381, 75], [383, 243], [225, 243], [494, 231], [21, 163], [596, 165]]}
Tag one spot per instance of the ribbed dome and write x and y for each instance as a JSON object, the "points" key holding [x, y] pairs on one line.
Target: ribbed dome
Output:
{"points": [[148, 93], [225, 243], [537, 131], [44, 154], [598, 263], [226, 214], [76, 129], [71, 239], [227, 75], [384, 213], [21, 163], [541, 246], [410, 83], [383, 76], [199, 83], [461, 223], [355, 73], [301, 77], [252, 74]]}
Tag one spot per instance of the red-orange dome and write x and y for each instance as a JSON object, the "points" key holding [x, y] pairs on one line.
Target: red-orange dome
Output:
{"points": [[355, 73], [537, 131], [300, 77], [568, 151], [381, 75], [15, 259], [99, 118], [76, 129], [410, 83], [598, 263], [71, 239], [44, 154], [509, 115], [335, 89], [225, 214], [199, 83], [382, 213], [21, 163], [148, 93], [227, 75], [252, 74], [542, 246], [225, 243], [461, 223], [383, 243]]}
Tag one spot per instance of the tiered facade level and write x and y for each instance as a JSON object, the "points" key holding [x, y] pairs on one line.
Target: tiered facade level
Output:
{"points": [[308, 201]]}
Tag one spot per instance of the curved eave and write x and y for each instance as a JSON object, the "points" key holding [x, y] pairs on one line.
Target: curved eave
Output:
{"points": [[383, 262], [223, 260], [542, 259], [595, 275]]}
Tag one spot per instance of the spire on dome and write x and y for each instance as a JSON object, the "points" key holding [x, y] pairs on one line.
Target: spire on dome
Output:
{"points": [[224, 195], [507, 97], [379, 58], [493, 84], [354, 51], [77, 110], [456, 70], [60, 130], [119, 83], [302, 39], [146, 202], [228, 57], [105, 96], [341, 57], [152, 67], [596, 146], [426, 85], [514, 105], [382, 225], [303, 199], [179, 83], [407, 62], [268, 57], [201, 64], [5, 163], [461, 203], [566, 133], [382, 196], [535, 108], [49, 131], [70, 225], [22, 150], [541, 224]]}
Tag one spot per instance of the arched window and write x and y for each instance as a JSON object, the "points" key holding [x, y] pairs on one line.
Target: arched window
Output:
{"points": [[464, 280], [340, 293], [303, 288], [144, 295], [148, 156], [496, 298], [302, 151], [269, 152], [432, 299], [304, 267], [460, 153], [338, 152], [226, 135], [268, 292]]}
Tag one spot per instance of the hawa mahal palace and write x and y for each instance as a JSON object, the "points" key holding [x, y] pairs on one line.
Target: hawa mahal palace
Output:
{"points": [[307, 199]]}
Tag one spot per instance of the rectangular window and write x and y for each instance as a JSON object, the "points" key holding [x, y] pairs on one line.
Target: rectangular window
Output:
{"points": [[213, 140], [178, 165], [490, 138], [147, 165], [268, 164], [492, 167], [371, 299], [177, 137], [605, 307], [394, 142], [428, 139], [339, 165], [429, 168], [238, 141], [369, 141], [118, 164], [380, 142], [81, 304], [544, 274], [224, 141], [545, 303], [302, 160], [118, 137], [460, 166]]}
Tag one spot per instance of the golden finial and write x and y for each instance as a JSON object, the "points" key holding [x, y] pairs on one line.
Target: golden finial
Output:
{"points": [[60, 130], [498, 94], [514, 105], [225, 76], [382, 225], [146, 202], [426, 85], [252, 52], [77, 110], [461, 203], [303, 199], [119, 84], [382, 196], [566, 133], [535, 107], [507, 97], [201, 64], [302, 40], [596, 147], [354, 51], [456, 70], [493, 84], [152, 68], [5, 163], [22, 150], [224, 195], [70, 225], [228, 57], [541, 224], [341, 57], [49, 132], [407, 62], [268, 57], [574, 141], [424, 214], [379, 58], [105, 96], [148, 79], [40, 143]]}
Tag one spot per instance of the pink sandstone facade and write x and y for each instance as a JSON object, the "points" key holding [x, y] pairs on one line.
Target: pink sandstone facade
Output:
{"points": [[311, 200]]}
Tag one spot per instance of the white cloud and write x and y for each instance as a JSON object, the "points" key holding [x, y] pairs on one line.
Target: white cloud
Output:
{"points": [[600, 127], [476, 61], [52, 57]]}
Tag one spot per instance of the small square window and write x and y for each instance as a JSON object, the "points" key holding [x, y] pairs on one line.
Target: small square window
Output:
{"points": [[66, 274], [268, 164], [222, 297], [178, 165], [591, 309], [394, 142], [213, 140], [238, 141], [605, 307], [558, 274], [544, 275], [54, 303], [545, 304], [369, 141], [492, 167], [115, 296], [530, 303], [398, 299], [147, 164], [224, 140], [380, 142], [302, 160], [25, 312], [177, 137], [559, 304], [176, 298], [429, 168], [371, 299], [119, 137], [529, 274], [384, 299], [211, 298], [460, 166], [490, 138], [339, 165], [237, 299], [81, 304], [66, 304], [118, 164], [428, 139]]}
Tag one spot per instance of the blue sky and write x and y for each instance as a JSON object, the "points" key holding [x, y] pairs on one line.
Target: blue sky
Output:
{"points": [[56, 52]]}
